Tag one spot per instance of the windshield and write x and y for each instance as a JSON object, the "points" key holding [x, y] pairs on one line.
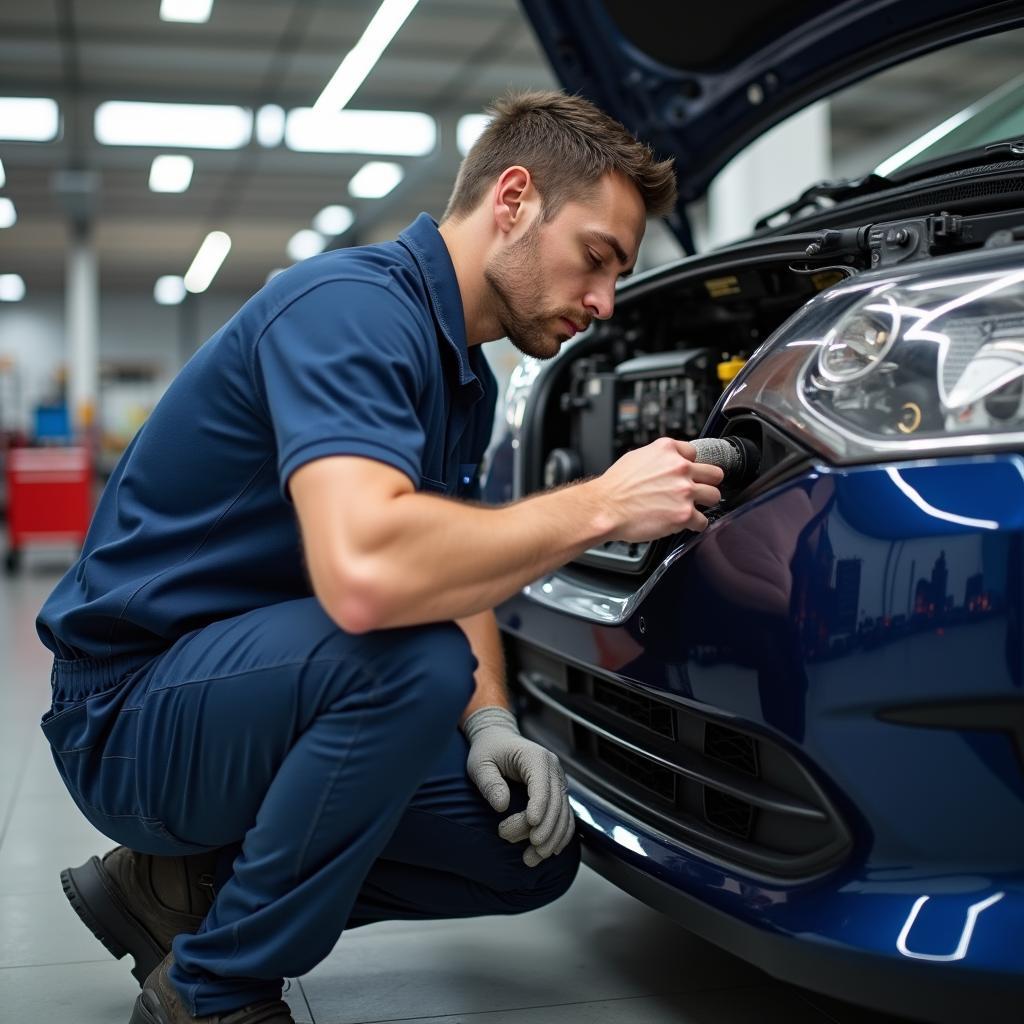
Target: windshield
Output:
{"points": [[997, 117], [965, 96]]}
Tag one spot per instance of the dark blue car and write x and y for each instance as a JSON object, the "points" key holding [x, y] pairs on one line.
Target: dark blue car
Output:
{"points": [[800, 733]]}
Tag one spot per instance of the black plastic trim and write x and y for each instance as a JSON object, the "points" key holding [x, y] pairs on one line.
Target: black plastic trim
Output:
{"points": [[970, 192]]}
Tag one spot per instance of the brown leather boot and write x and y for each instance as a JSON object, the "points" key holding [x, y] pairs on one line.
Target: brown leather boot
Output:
{"points": [[136, 903], [161, 1004]]}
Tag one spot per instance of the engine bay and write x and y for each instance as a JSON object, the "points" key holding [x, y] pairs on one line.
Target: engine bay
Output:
{"points": [[658, 368]]}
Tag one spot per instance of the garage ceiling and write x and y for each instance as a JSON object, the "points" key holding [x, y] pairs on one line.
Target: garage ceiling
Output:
{"points": [[449, 59]]}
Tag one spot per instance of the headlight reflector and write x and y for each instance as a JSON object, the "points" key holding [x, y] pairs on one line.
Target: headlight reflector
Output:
{"points": [[860, 341]]}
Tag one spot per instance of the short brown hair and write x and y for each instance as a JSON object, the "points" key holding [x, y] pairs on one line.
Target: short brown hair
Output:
{"points": [[567, 144]]}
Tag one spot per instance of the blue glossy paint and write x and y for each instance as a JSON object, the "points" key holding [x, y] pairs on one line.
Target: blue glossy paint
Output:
{"points": [[804, 615]]}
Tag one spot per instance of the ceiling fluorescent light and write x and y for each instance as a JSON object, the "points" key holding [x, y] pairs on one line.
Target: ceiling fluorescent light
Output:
{"points": [[170, 173], [207, 262], [304, 244], [359, 61], [188, 125], [169, 290], [395, 132], [29, 120], [185, 10], [12, 288], [333, 220], [8, 215], [375, 179], [3, 177], [270, 125], [468, 130]]}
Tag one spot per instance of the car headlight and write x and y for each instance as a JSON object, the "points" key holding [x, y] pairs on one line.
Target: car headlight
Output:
{"points": [[917, 361]]}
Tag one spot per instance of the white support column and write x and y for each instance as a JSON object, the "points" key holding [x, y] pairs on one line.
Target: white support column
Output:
{"points": [[81, 313], [769, 173]]}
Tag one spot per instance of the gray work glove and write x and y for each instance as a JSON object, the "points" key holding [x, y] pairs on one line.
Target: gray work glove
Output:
{"points": [[497, 752]]}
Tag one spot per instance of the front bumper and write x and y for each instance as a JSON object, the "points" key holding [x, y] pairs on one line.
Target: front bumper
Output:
{"points": [[846, 938], [861, 633]]}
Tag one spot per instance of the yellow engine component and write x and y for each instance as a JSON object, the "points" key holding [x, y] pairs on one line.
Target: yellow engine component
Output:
{"points": [[728, 368]]}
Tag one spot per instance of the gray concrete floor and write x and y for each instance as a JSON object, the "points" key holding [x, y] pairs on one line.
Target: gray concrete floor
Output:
{"points": [[596, 955]]}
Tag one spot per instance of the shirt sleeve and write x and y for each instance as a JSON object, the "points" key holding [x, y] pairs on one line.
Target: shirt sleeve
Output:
{"points": [[342, 368]]}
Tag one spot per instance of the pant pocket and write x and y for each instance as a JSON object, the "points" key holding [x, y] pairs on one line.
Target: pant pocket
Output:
{"points": [[93, 746]]}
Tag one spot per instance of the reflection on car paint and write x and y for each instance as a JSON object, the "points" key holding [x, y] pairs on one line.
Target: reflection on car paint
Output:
{"points": [[973, 911]]}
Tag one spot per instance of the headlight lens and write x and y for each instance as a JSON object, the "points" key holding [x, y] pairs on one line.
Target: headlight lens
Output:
{"points": [[857, 345], [922, 360]]}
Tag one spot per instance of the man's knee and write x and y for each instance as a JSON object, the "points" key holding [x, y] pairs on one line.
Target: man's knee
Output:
{"points": [[430, 666], [544, 883], [443, 665], [427, 668]]}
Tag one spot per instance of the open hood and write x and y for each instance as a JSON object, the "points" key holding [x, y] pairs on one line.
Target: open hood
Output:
{"points": [[698, 82]]}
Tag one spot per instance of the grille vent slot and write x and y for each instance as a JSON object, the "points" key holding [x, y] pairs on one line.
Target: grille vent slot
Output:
{"points": [[651, 714], [654, 778], [729, 814], [730, 747]]}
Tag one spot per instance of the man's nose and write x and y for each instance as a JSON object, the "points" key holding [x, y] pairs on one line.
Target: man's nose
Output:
{"points": [[600, 303]]}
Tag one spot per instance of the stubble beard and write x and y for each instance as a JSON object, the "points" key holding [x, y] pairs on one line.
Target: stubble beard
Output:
{"points": [[516, 283]]}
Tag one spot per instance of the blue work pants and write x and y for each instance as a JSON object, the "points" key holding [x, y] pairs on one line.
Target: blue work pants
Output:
{"points": [[329, 769]]}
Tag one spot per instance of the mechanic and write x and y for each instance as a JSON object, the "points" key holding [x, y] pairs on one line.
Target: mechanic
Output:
{"points": [[283, 609]]}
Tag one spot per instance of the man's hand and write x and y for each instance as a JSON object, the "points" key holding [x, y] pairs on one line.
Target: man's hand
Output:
{"points": [[656, 490], [497, 752]]}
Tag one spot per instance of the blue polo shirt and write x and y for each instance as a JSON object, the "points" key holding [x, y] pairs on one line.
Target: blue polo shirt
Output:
{"points": [[358, 351]]}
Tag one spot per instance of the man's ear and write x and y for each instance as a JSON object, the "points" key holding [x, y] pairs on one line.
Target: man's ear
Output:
{"points": [[514, 198]]}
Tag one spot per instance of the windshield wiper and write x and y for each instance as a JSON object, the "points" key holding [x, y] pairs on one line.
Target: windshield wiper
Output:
{"points": [[836, 189], [1015, 146], [961, 160]]}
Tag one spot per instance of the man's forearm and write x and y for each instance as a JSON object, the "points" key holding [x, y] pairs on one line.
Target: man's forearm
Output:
{"points": [[482, 632], [434, 559], [381, 555]]}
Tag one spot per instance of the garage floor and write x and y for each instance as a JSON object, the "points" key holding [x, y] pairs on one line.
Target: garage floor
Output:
{"points": [[596, 955]]}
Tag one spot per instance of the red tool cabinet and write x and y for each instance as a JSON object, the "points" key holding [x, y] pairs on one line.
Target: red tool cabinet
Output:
{"points": [[49, 498]]}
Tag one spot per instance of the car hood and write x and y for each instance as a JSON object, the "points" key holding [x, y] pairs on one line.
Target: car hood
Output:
{"points": [[699, 82]]}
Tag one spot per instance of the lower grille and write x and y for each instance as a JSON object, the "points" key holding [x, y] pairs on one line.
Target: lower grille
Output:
{"points": [[730, 794]]}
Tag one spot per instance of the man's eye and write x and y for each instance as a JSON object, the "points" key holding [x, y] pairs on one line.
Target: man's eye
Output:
{"points": [[595, 259]]}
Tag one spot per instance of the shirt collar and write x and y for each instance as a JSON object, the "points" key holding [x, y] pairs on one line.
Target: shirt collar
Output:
{"points": [[429, 251]]}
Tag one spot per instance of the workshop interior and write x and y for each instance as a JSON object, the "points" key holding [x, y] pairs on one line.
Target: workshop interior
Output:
{"points": [[793, 741]]}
